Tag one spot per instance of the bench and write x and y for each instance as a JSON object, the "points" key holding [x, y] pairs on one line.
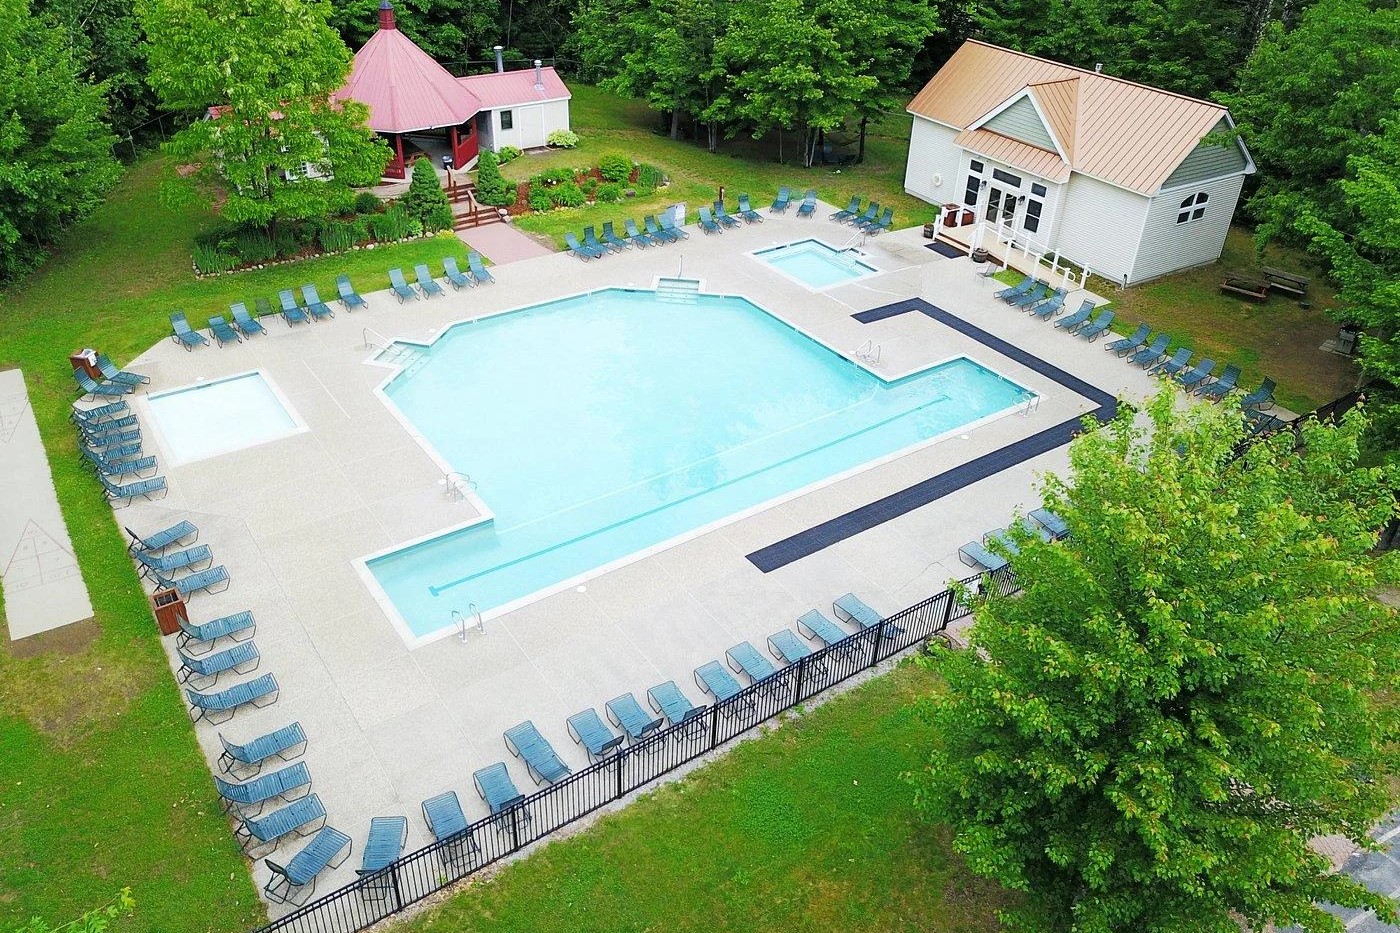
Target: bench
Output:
{"points": [[1288, 282], [1246, 287]]}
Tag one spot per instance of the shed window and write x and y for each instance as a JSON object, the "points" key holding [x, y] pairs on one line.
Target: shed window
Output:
{"points": [[1193, 208], [1038, 190], [1010, 179], [507, 120], [976, 166], [1031, 222]]}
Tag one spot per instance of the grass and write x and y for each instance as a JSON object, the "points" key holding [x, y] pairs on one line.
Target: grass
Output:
{"points": [[808, 828]]}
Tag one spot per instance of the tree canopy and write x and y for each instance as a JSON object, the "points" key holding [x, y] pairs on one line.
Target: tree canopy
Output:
{"points": [[1190, 688], [55, 148], [271, 66], [451, 31]]}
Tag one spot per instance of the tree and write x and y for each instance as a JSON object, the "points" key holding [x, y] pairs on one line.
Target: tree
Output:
{"points": [[55, 150], [448, 30], [107, 40], [491, 186], [1307, 97], [425, 198], [1190, 687], [271, 67]]}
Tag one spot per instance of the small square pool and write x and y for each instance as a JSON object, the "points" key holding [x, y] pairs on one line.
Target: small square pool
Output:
{"points": [[207, 419], [815, 264]]}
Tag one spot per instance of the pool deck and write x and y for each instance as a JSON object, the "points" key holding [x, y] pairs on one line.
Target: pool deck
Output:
{"points": [[389, 726]]}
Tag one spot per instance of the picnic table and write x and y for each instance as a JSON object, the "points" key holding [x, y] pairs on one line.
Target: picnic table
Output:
{"points": [[1289, 282], [1245, 286]]}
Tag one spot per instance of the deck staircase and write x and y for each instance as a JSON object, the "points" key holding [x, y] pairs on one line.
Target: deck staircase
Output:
{"points": [[467, 211], [677, 291], [408, 357]]}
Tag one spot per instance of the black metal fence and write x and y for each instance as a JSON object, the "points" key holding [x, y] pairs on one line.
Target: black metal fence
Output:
{"points": [[432, 868]]}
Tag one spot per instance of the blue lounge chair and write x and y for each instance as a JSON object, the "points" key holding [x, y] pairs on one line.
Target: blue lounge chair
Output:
{"points": [[668, 700], [541, 761], [204, 581], [1072, 322], [591, 241], [850, 210], [1006, 537], [242, 658], [1017, 290], [781, 202], [302, 817], [707, 223], [262, 308], [787, 647], [859, 220], [849, 608], [294, 882], [747, 212], [611, 238], [426, 283], [1197, 376], [292, 312], [318, 308], [974, 554], [713, 679], [148, 489], [113, 439], [448, 824], [222, 332], [117, 462], [95, 430], [1152, 353], [479, 271], [1177, 362], [180, 332], [114, 373], [808, 207], [248, 798], [260, 691], [245, 322], [455, 276], [286, 744], [1037, 293], [348, 296], [636, 236], [1222, 386], [723, 216], [387, 837], [627, 714], [1051, 306], [1053, 524], [187, 559], [182, 532], [98, 389], [578, 249], [587, 729], [1261, 399], [495, 786], [815, 625], [1130, 344], [744, 658], [240, 626], [883, 223], [668, 223], [400, 287], [1101, 324], [100, 413]]}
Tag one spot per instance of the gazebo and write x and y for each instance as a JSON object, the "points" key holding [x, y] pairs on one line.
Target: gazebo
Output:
{"points": [[409, 94]]}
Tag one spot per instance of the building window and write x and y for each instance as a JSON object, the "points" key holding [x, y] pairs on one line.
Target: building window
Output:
{"points": [[1038, 190], [1010, 179], [507, 120], [976, 166], [1193, 208], [974, 183], [1031, 222]]}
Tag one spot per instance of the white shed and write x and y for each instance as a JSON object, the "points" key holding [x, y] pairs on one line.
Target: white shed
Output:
{"points": [[519, 108]]}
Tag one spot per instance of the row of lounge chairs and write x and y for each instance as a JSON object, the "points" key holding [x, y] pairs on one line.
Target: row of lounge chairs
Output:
{"points": [[110, 445], [116, 382], [869, 220], [595, 246], [428, 287], [1039, 300], [1198, 379], [991, 552], [715, 218], [242, 324]]}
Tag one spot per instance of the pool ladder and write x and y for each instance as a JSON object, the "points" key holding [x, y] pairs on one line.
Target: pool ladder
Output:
{"points": [[458, 485], [462, 624], [869, 353], [370, 344]]}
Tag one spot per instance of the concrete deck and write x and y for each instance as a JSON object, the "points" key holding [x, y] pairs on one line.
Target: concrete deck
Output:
{"points": [[43, 586], [390, 726], [502, 243]]}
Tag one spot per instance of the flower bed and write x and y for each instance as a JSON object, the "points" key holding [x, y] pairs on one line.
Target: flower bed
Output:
{"points": [[614, 179]]}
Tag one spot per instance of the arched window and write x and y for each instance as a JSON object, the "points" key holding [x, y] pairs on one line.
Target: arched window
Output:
{"points": [[1193, 208]]}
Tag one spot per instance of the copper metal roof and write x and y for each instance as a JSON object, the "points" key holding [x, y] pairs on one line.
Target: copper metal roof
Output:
{"points": [[1013, 152], [515, 88], [1124, 133]]}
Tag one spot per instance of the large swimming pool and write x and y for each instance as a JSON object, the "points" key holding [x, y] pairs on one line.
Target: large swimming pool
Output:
{"points": [[606, 424]]}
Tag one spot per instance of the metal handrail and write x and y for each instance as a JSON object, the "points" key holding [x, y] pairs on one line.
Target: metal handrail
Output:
{"points": [[370, 344]]}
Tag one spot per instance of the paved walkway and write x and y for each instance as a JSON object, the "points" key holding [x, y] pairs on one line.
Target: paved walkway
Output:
{"points": [[502, 243], [43, 586]]}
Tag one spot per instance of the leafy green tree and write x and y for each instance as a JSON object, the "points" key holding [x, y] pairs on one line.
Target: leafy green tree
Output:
{"points": [[451, 31], [1190, 688], [55, 150], [425, 195], [1307, 98], [491, 186], [272, 67], [107, 38]]}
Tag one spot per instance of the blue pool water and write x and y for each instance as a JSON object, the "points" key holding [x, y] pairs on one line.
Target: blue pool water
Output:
{"points": [[219, 417], [814, 263], [601, 425]]}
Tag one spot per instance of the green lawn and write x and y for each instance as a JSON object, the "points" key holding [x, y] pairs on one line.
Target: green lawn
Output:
{"points": [[808, 828]]}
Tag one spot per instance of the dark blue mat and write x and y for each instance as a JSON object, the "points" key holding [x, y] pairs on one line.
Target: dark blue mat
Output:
{"points": [[806, 543], [945, 249]]}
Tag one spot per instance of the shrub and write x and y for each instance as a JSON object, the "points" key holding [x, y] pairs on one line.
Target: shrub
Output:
{"points": [[508, 154], [615, 167], [367, 202], [562, 139], [610, 193], [491, 186], [337, 235], [253, 245], [440, 218], [553, 176], [391, 225], [590, 185], [569, 194], [284, 241], [539, 199], [425, 195], [649, 177], [209, 259]]}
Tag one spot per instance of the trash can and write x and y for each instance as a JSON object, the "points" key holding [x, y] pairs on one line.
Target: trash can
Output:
{"points": [[169, 607], [928, 231], [448, 163], [1346, 338], [86, 360]]}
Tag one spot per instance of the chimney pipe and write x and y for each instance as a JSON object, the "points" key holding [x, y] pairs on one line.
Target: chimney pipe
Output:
{"points": [[539, 76], [500, 59], [386, 15], [1098, 68]]}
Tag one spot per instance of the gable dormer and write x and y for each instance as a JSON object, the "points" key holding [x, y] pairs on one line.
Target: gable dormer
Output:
{"points": [[1019, 118]]}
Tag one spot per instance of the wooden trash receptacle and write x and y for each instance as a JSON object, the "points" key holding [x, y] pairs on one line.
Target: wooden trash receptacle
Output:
{"points": [[86, 360], [169, 607]]}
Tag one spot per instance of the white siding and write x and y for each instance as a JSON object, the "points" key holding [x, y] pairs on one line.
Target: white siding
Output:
{"points": [[1167, 245], [931, 152], [1099, 225], [531, 124]]}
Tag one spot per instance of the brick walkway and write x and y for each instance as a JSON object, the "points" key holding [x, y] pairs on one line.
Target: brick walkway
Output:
{"points": [[502, 243]]}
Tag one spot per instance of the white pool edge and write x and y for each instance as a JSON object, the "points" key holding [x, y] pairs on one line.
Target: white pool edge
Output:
{"points": [[167, 454]]}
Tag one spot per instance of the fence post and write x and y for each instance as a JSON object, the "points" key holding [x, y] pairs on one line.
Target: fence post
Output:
{"points": [[398, 892], [515, 828], [875, 646], [797, 687], [714, 725], [618, 757], [948, 604]]}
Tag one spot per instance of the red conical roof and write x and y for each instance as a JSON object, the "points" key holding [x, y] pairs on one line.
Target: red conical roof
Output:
{"points": [[403, 86]]}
